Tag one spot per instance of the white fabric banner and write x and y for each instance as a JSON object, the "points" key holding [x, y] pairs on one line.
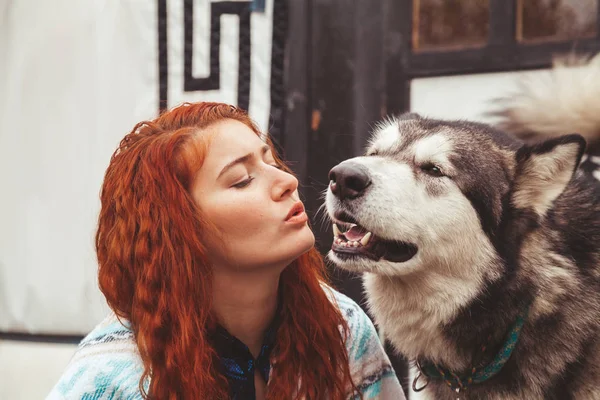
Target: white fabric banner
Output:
{"points": [[75, 76]]}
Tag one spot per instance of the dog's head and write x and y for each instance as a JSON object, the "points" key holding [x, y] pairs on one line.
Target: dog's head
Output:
{"points": [[442, 194]]}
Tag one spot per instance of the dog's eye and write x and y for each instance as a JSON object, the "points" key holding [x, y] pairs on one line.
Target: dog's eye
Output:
{"points": [[432, 170]]}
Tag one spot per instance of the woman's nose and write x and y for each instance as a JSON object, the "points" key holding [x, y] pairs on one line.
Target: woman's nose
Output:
{"points": [[285, 184]]}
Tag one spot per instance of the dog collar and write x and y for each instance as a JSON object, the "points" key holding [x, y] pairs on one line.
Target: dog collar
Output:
{"points": [[460, 383]]}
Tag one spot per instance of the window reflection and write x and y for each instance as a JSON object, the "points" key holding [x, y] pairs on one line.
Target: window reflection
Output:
{"points": [[444, 24], [549, 20]]}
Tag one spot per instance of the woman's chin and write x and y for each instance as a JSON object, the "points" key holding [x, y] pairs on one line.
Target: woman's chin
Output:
{"points": [[307, 240], [301, 243], [279, 252]]}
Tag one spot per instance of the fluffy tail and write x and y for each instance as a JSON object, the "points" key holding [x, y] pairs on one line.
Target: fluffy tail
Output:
{"points": [[565, 99]]}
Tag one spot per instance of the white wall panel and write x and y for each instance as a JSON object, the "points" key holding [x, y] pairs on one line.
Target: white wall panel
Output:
{"points": [[75, 76]]}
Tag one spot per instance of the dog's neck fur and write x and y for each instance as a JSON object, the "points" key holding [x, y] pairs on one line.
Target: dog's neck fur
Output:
{"points": [[433, 300], [445, 317]]}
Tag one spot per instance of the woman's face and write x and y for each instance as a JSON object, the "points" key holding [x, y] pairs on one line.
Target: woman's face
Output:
{"points": [[254, 205]]}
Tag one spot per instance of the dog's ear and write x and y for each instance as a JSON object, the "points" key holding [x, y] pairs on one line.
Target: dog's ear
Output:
{"points": [[544, 170]]}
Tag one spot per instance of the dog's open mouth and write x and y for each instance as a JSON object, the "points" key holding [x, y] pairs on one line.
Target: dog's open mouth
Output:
{"points": [[359, 242]]}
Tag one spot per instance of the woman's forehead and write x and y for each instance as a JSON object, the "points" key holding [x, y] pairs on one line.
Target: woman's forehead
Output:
{"points": [[231, 137], [223, 143]]}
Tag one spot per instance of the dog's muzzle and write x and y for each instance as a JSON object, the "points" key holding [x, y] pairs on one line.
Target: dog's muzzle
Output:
{"points": [[350, 180]]}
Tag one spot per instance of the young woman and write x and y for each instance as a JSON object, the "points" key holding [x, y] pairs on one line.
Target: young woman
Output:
{"points": [[207, 260]]}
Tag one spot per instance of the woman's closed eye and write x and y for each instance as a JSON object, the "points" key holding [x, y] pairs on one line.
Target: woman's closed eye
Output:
{"points": [[244, 183]]}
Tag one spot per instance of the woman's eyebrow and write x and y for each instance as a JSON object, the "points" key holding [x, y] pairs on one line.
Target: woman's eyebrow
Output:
{"points": [[242, 160]]}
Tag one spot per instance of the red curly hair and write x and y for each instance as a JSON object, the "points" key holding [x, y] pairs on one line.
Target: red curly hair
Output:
{"points": [[154, 272]]}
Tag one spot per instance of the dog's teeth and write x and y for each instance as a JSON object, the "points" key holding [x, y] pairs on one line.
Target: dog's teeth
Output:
{"points": [[354, 244], [365, 239], [336, 231]]}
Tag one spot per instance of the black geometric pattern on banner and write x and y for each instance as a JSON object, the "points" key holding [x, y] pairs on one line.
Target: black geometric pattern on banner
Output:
{"points": [[211, 82], [242, 9], [278, 92]]}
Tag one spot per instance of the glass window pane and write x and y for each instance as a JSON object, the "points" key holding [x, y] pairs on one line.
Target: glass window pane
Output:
{"points": [[549, 20], [444, 24]]}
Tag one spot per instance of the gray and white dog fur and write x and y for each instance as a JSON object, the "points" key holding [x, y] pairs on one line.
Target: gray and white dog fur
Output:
{"points": [[501, 225]]}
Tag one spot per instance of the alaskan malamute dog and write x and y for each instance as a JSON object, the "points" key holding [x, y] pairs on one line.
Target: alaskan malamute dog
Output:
{"points": [[480, 254]]}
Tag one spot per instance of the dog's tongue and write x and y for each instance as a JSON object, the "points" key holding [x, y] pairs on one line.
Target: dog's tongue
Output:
{"points": [[355, 233]]}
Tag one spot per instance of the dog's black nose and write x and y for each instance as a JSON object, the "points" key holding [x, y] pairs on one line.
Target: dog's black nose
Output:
{"points": [[348, 181]]}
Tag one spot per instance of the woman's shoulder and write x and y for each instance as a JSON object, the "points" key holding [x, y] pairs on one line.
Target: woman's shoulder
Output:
{"points": [[370, 366], [106, 364]]}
